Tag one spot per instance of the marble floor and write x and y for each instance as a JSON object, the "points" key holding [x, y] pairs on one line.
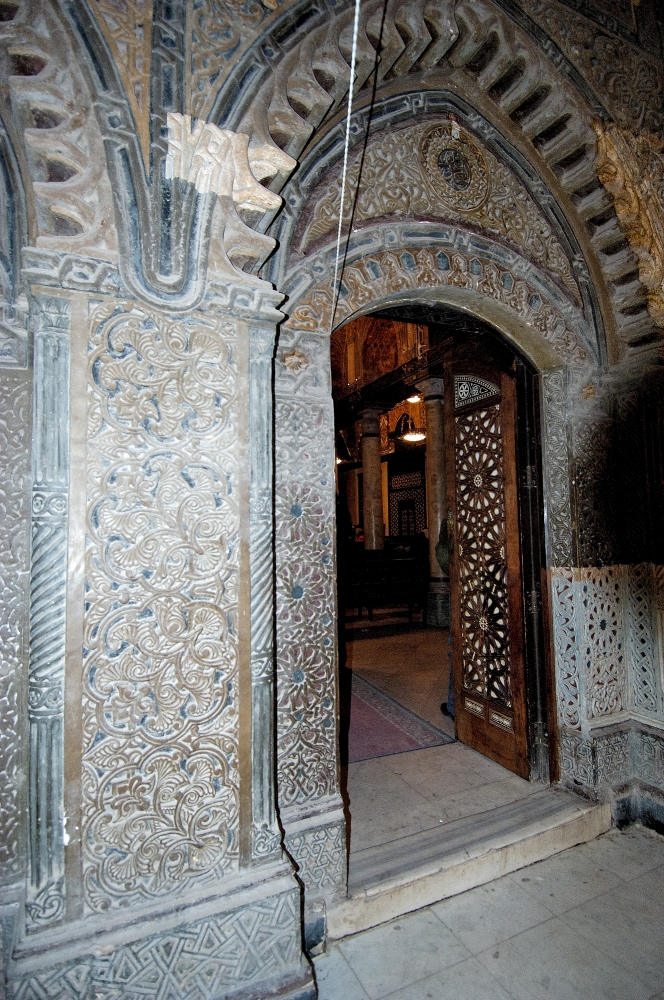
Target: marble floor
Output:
{"points": [[408, 793], [586, 924]]}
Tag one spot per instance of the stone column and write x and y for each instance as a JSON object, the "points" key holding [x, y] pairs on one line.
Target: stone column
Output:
{"points": [[438, 605], [374, 531]]}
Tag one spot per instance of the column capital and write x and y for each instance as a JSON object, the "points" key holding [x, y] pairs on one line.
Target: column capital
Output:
{"points": [[431, 388], [371, 420]]}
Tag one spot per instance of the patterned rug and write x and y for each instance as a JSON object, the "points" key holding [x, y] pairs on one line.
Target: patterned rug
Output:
{"points": [[380, 726]]}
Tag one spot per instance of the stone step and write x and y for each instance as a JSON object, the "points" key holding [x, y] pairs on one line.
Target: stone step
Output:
{"points": [[410, 872]]}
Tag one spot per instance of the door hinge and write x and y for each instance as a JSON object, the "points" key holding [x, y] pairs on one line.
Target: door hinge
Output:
{"points": [[529, 477], [539, 734], [533, 602]]}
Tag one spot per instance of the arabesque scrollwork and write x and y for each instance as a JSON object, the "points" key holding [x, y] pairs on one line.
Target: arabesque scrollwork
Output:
{"points": [[160, 785]]}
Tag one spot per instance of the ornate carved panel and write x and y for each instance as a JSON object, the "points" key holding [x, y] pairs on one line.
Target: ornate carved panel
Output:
{"points": [[649, 757], [219, 31], [306, 615], [557, 467], [602, 598], [15, 433], [593, 485], [482, 557], [210, 958], [568, 680], [577, 759], [160, 715], [380, 274], [320, 853], [645, 683], [626, 79], [401, 176], [613, 754]]}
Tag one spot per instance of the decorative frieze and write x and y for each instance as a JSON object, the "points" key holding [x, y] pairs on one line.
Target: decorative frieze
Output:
{"points": [[376, 276], [625, 78], [306, 614], [320, 854], [631, 167], [612, 758], [556, 458]]}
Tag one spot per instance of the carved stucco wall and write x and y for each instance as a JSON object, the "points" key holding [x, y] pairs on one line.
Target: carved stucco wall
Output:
{"points": [[607, 623], [161, 679], [306, 614], [158, 609], [14, 568]]}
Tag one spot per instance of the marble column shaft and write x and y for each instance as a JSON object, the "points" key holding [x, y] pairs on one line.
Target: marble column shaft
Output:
{"points": [[432, 392], [374, 529]]}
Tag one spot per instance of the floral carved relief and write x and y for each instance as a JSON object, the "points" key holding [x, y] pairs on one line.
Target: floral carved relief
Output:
{"points": [[219, 31], [401, 175], [566, 648], [381, 274], [305, 601], [631, 167], [626, 78], [15, 426], [305, 577], [160, 710], [602, 601]]}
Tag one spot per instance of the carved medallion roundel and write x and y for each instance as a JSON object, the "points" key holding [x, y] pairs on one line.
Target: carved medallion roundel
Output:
{"points": [[455, 167]]}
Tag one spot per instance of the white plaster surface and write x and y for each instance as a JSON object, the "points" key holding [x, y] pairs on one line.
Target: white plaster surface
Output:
{"points": [[515, 939]]}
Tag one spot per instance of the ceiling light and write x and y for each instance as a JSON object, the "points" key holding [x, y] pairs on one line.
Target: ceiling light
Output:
{"points": [[406, 429], [414, 399]]}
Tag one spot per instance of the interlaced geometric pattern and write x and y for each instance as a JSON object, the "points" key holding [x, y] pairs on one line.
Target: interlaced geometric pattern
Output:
{"points": [[480, 500]]}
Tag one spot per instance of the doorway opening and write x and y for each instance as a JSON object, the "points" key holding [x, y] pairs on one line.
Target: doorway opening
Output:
{"points": [[445, 677]]}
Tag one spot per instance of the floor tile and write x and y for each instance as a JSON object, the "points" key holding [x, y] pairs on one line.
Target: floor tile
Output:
{"points": [[395, 955], [627, 853], [564, 881], [490, 914], [651, 884], [555, 962], [628, 926], [468, 980], [335, 978]]}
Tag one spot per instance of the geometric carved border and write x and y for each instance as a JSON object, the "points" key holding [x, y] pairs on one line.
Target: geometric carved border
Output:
{"points": [[198, 961]]}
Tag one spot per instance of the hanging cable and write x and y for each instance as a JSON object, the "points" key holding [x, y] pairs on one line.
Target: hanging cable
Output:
{"points": [[335, 293]]}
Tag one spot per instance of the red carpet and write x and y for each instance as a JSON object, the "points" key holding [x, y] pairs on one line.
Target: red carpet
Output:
{"points": [[380, 726]]}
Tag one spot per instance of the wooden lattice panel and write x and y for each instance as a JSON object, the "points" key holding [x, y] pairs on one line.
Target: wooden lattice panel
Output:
{"points": [[480, 497]]}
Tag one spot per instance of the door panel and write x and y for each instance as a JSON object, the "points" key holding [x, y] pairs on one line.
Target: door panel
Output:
{"points": [[485, 569]]}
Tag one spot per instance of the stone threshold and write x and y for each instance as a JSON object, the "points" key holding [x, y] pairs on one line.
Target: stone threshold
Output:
{"points": [[410, 872]]}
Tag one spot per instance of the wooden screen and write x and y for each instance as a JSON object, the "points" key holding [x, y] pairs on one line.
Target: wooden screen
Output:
{"points": [[485, 576]]}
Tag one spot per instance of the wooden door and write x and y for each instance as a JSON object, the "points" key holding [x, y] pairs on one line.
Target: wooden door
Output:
{"points": [[485, 564]]}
